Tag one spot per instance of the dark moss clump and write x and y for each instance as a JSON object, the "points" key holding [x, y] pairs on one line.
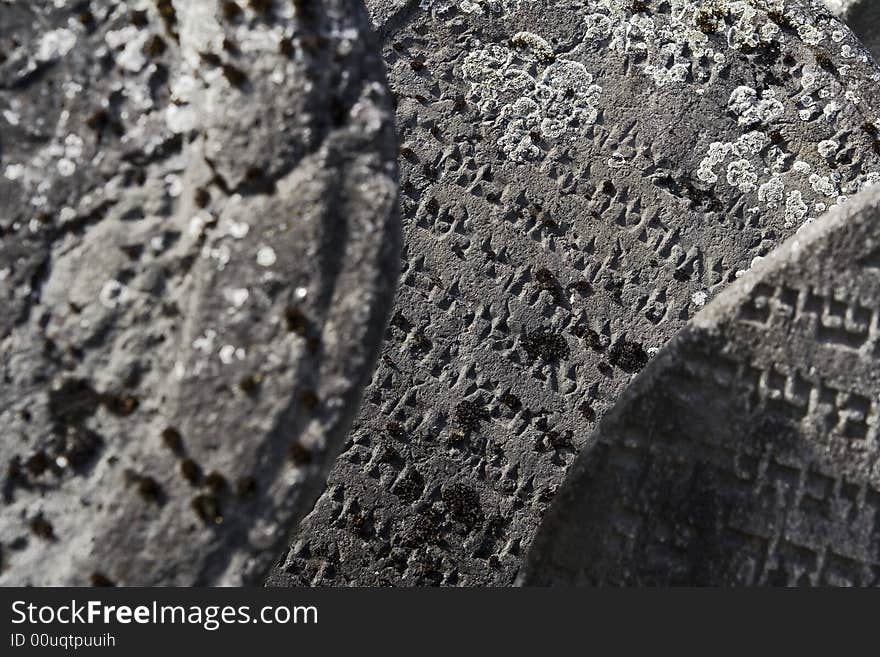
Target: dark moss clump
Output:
{"points": [[427, 529], [299, 454], [155, 46], [709, 19], [230, 10], [779, 18], [469, 414], [251, 383], [286, 48], [147, 487], [121, 405], [545, 344], [825, 62], [462, 504], [547, 281], [211, 59], [207, 508], [85, 17], [296, 321], [457, 438], [99, 580], [409, 486], [216, 482], [628, 356], [202, 197], [582, 287], [169, 17], [553, 440], [260, 6], [139, 19], [235, 76], [417, 63], [42, 528], [172, 439], [191, 471]]}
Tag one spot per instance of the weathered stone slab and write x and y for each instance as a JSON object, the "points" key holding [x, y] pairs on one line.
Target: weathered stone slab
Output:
{"points": [[578, 180], [746, 452], [199, 245]]}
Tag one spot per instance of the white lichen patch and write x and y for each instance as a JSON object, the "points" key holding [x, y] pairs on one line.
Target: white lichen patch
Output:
{"points": [[558, 102], [228, 354], [55, 44], [752, 108], [748, 145], [236, 297], [488, 7], [266, 256], [795, 209], [741, 174], [699, 298], [827, 148], [112, 294]]}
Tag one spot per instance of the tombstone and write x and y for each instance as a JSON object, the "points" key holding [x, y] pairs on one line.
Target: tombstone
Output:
{"points": [[577, 181], [745, 453], [199, 245]]}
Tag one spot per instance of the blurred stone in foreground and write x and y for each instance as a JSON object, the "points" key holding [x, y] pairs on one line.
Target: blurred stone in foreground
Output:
{"points": [[198, 249]]}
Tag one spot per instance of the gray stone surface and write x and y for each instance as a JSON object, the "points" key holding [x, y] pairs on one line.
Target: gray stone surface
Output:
{"points": [[863, 17], [578, 179], [747, 451], [198, 249]]}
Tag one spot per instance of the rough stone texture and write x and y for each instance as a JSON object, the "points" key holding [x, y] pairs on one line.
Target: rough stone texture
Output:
{"points": [[578, 179], [198, 249], [863, 17], [747, 451]]}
